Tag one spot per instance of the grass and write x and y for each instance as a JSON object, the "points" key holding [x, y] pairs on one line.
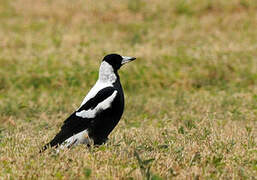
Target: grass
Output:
{"points": [[191, 96]]}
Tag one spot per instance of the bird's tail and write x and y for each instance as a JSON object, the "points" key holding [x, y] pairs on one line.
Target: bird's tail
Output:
{"points": [[44, 148], [54, 143], [58, 139]]}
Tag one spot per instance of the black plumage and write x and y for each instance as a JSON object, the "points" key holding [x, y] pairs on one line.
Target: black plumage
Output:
{"points": [[100, 111]]}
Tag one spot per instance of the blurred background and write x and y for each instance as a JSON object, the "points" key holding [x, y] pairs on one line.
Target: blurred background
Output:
{"points": [[196, 72]]}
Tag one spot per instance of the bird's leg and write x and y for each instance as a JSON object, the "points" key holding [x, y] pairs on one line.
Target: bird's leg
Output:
{"points": [[88, 140]]}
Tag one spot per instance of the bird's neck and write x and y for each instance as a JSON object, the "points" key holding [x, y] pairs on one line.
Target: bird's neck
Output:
{"points": [[107, 73]]}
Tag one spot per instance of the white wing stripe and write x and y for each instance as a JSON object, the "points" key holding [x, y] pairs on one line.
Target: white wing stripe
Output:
{"points": [[106, 78], [97, 87], [91, 113]]}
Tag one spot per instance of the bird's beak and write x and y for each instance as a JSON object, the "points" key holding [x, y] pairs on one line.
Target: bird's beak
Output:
{"points": [[126, 59]]}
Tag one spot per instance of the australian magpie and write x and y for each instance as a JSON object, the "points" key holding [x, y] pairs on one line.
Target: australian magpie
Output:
{"points": [[99, 112]]}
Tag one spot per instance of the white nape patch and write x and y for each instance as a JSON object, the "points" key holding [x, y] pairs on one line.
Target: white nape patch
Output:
{"points": [[106, 73], [106, 79], [91, 113], [80, 138]]}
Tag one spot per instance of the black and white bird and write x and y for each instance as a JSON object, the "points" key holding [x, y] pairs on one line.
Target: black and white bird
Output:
{"points": [[100, 110]]}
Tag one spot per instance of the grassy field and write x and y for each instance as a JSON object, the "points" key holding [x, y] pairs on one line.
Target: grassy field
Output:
{"points": [[191, 95]]}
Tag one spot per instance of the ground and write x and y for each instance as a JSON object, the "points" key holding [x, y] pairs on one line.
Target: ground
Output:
{"points": [[191, 95]]}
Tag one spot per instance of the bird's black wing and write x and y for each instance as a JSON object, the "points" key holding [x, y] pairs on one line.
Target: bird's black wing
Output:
{"points": [[75, 124]]}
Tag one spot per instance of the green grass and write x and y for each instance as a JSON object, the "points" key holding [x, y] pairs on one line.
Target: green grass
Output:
{"points": [[191, 95]]}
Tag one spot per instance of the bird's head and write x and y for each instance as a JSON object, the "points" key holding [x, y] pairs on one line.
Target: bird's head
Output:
{"points": [[116, 60]]}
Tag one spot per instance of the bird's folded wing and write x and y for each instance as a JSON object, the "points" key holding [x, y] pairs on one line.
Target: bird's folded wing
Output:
{"points": [[101, 101], [81, 119]]}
